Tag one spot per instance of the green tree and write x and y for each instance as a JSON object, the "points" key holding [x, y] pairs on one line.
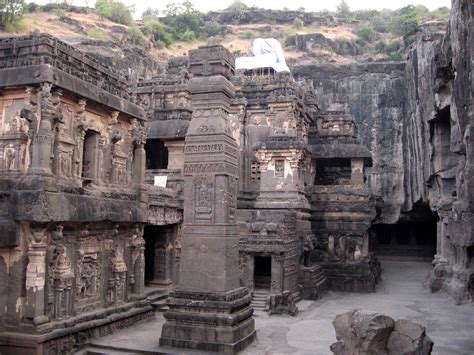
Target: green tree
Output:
{"points": [[135, 33], [405, 24], [183, 20], [365, 32], [343, 10], [213, 28], [298, 23], [10, 13], [237, 10], [422, 12], [115, 10], [159, 34], [442, 13]]}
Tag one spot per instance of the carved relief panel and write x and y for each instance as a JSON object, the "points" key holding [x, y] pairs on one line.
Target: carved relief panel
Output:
{"points": [[15, 135], [88, 273], [203, 197]]}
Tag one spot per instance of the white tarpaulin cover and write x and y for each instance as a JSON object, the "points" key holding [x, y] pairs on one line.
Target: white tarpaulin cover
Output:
{"points": [[267, 53]]}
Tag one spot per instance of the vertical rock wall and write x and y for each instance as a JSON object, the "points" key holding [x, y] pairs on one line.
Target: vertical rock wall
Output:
{"points": [[416, 118], [375, 94]]}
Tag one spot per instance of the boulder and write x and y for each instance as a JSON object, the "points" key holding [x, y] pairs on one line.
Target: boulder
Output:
{"points": [[361, 332], [409, 338], [364, 333]]}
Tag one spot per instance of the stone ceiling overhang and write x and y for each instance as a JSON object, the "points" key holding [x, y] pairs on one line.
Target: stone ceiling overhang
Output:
{"points": [[36, 74], [338, 150]]}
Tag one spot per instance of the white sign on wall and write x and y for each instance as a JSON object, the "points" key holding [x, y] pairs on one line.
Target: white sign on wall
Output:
{"points": [[160, 180]]}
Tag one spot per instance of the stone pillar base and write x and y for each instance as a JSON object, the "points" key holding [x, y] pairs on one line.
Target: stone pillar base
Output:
{"points": [[312, 282], [210, 321]]}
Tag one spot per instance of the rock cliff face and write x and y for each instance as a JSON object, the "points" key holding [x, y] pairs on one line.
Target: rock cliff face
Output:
{"points": [[416, 118], [375, 94], [439, 156]]}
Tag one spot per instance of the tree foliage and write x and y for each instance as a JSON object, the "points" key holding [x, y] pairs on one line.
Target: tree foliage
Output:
{"points": [[10, 12], [343, 10], [237, 10], [365, 32], [157, 32], [115, 10], [183, 20], [405, 24]]}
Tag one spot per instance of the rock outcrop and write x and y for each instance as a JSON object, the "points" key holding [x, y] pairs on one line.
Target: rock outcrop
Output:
{"points": [[313, 42], [366, 333], [416, 119]]}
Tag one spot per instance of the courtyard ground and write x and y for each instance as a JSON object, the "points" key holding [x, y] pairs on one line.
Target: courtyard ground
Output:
{"points": [[399, 295]]}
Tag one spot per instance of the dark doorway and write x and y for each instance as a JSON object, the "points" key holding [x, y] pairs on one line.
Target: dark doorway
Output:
{"points": [[413, 237], [159, 254], [90, 155], [335, 171], [263, 271], [150, 247], [405, 240], [156, 154]]}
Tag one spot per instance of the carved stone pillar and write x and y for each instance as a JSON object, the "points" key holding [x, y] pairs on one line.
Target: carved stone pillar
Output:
{"points": [[36, 277], [209, 311], [138, 261], [63, 277], [139, 134], [42, 141], [276, 285], [42, 148], [175, 154], [139, 167], [117, 282]]}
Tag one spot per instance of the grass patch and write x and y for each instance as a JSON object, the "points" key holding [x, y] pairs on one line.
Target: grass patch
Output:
{"points": [[15, 27], [96, 33]]}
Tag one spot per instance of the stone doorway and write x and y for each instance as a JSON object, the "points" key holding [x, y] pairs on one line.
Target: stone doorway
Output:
{"points": [[262, 272], [159, 255]]}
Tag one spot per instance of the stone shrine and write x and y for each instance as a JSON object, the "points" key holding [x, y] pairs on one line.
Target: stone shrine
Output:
{"points": [[224, 191]]}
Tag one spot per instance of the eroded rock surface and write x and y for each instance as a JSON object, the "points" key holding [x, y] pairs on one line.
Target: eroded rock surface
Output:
{"points": [[367, 333]]}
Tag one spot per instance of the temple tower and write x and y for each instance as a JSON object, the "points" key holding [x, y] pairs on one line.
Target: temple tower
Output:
{"points": [[209, 311]]}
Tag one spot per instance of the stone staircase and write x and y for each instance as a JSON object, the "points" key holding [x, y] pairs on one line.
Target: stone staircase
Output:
{"points": [[259, 299], [157, 299]]}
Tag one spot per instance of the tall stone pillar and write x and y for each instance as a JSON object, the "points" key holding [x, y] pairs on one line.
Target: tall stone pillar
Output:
{"points": [[209, 311], [36, 276], [42, 141]]}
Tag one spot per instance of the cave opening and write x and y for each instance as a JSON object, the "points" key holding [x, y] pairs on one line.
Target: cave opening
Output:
{"points": [[413, 237]]}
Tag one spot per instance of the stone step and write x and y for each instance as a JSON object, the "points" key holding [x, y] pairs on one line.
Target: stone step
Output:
{"points": [[160, 305], [97, 349], [261, 292], [153, 297]]}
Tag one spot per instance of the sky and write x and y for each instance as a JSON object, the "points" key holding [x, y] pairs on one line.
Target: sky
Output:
{"points": [[309, 5]]}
